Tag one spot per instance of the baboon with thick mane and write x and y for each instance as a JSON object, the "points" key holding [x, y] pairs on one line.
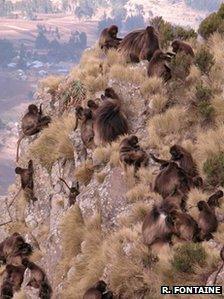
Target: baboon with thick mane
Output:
{"points": [[140, 44], [131, 153], [108, 38], [180, 46], [32, 123], [26, 175], [158, 66], [158, 227], [110, 121]]}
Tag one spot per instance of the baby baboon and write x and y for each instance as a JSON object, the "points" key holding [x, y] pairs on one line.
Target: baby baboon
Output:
{"points": [[158, 227], [131, 153], [171, 178], [87, 134], [74, 192], [26, 175], [38, 280], [207, 220], [32, 123], [179, 46], [140, 44], [110, 121], [108, 38], [98, 291], [158, 66]]}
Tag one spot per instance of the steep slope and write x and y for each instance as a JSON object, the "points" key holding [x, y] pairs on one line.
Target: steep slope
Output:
{"points": [[100, 236]]}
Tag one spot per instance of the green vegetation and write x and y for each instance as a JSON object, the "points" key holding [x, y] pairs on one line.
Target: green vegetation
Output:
{"points": [[214, 169], [204, 59]]}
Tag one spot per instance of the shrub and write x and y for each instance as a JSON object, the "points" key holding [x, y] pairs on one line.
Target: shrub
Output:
{"points": [[206, 110], [209, 25], [188, 256], [203, 93], [204, 60], [71, 92], [214, 169]]}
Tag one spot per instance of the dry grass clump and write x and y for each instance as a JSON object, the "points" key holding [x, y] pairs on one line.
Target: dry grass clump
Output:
{"points": [[114, 57], [51, 83], [20, 295], [137, 193], [72, 233], [152, 86], [95, 84], [172, 122], [209, 143], [125, 74], [101, 155], [194, 196], [137, 214], [84, 172], [89, 264], [217, 104], [158, 103], [54, 142], [131, 273]]}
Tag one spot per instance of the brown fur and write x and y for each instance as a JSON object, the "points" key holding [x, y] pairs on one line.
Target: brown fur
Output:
{"points": [[108, 38], [179, 46], [98, 291], [140, 44], [186, 228], [14, 246], [87, 134], [14, 275], [157, 66], [171, 178], [26, 175], [38, 280], [131, 153], [110, 121], [207, 220], [214, 199], [32, 123], [221, 267], [175, 201], [157, 227]]}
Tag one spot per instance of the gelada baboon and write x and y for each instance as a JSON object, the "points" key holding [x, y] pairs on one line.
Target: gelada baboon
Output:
{"points": [[13, 246], [139, 45], [108, 38], [185, 161], [186, 228], [214, 199], [73, 192], [180, 46], [171, 178], [175, 201], [85, 116], [158, 67], [207, 220], [14, 276], [32, 123], [26, 175], [98, 291], [158, 227], [131, 153], [110, 121], [38, 280]]}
